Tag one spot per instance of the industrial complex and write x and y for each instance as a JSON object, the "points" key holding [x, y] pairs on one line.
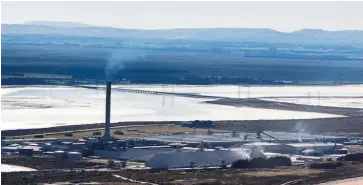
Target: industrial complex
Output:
{"points": [[206, 148]]}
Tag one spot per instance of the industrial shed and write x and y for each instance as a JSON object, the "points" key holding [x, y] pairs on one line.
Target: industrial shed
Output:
{"points": [[185, 159], [272, 147], [132, 153], [293, 148], [23, 150], [318, 147]]}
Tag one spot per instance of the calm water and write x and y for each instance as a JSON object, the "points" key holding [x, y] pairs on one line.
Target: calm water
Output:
{"points": [[274, 92], [36, 107], [235, 91]]}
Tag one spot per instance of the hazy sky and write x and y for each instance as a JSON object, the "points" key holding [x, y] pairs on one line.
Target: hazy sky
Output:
{"points": [[282, 16]]}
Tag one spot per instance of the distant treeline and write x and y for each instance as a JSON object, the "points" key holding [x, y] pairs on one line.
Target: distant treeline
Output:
{"points": [[23, 81], [269, 54], [199, 124], [197, 80]]}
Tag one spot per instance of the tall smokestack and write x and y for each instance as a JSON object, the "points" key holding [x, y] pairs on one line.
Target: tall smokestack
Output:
{"points": [[107, 135]]}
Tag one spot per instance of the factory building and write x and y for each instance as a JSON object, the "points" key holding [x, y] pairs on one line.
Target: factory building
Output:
{"points": [[322, 148], [270, 147], [138, 154], [22, 150], [74, 156], [195, 159]]}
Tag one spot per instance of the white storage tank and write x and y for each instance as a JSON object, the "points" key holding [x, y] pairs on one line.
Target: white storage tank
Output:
{"points": [[75, 156], [48, 153]]}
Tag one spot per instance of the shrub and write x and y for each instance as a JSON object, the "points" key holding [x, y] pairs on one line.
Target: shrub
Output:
{"points": [[351, 157], [326, 165], [279, 161], [39, 136], [241, 163], [68, 134], [118, 132], [98, 133], [199, 124], [260, 163]]}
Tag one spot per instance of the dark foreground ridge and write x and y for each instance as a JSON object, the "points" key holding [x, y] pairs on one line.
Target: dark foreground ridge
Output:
{"points": [[276, 176]]}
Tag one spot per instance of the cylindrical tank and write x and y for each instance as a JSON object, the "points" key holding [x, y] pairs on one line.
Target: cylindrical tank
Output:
{"points": [[74, 156], [59, 154]]}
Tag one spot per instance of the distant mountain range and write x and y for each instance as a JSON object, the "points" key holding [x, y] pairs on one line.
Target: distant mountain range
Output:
{"points": [[58, 24], [305, 36]]}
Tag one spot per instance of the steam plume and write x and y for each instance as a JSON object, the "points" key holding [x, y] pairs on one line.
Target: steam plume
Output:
{"points": [[117, 60], [299, 126]]}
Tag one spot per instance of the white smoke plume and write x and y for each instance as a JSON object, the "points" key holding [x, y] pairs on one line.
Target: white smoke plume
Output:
{"points": [[299, 126], [118, 59]]}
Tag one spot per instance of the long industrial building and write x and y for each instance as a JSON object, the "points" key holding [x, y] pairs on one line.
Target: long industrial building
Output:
{"points": [[294, 148]]}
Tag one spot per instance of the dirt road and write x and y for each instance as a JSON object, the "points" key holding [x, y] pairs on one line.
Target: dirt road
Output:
{"points": [[351, 181]]}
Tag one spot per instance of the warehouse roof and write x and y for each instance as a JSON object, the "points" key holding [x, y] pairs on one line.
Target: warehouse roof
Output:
{"points": [[304, 145], [185, 159], [132, 153], [261, 143]]}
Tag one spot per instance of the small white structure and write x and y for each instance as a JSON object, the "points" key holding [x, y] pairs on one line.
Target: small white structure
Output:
{"points": [[48, 153], [75, 156]]}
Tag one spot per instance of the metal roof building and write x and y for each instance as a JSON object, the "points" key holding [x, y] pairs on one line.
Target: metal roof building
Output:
{"points": [[293, 148], [132, 153], [227, 137], [319, 147]]}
